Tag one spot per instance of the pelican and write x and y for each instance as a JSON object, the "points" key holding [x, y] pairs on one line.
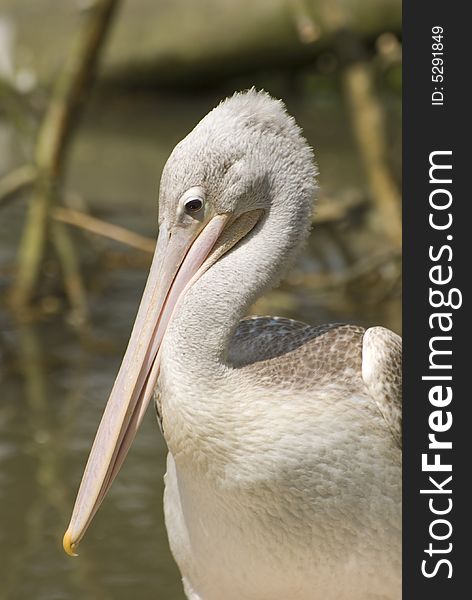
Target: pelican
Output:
{"points": [[283, 474]]}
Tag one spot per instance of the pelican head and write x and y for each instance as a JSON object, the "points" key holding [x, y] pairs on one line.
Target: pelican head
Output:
{"points": [[244, 167]]}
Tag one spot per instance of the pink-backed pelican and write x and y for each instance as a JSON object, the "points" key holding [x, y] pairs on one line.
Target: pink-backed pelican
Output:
{"points": [[284, 468]]}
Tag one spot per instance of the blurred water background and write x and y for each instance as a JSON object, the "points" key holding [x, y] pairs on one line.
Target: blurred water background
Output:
{"points": [[165, 66]]}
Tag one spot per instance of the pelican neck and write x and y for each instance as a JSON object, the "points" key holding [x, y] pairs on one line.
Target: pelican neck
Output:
{"points": [[200, 331]]}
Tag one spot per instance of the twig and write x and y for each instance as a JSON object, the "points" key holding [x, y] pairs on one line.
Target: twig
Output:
{"points": [[322, 282], [366, 116], [307, 29], [71, 273], [52, 143], [108, 230], [15, 181], [330, 211], [367, 120]]}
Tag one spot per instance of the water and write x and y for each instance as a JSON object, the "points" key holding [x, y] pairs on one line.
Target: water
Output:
{"points": [[55, 382]]}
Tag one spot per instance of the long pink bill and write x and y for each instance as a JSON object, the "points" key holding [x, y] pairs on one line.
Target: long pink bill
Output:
{"points": [[177, 258]]}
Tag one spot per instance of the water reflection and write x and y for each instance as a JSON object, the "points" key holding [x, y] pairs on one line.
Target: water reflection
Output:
{"points": [[53, 398]]}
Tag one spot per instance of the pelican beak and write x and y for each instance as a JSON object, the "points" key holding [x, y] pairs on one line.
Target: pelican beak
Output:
{"points": [[178, 261]]}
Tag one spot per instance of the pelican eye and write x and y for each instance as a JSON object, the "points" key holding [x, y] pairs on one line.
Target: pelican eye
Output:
{"points": [[193, 205]]}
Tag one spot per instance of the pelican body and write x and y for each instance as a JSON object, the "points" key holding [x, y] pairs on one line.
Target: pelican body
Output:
{"points": [[284, 468]]}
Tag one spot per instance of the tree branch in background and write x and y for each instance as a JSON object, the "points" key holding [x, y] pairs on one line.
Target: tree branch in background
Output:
{"points": [[15, 181], [70, 268], [108, 230], [369, 129], [67, 98], [366, 117], [368, 124]]}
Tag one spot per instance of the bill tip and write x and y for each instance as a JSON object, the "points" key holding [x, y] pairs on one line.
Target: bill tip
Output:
{"points": [[68, 544]]}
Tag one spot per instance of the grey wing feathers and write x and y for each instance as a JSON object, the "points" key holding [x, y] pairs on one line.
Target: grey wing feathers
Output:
{"points": [[262, 338], [382, 375]]}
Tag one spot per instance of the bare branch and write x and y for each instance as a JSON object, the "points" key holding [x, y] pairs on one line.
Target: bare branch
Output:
{"points": [[108, 230], [67, 98], [15, 181], [367, 120]]}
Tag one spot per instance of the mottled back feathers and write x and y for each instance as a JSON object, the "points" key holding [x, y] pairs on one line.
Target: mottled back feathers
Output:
{"points": [[302, 357]]}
